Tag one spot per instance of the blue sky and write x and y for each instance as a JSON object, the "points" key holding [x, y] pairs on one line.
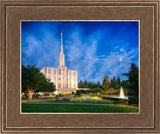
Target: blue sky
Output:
{"points": [[94, 49]]}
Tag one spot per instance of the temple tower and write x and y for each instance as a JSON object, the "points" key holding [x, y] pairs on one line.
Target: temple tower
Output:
{"points": [[61, 57], [63, 78]]}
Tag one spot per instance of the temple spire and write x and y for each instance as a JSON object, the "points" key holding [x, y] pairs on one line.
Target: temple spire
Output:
{"points": [[61, 58], [61, 43]]}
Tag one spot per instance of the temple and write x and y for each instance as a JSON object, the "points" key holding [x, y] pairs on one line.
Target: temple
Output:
{"points": [[63, 78]]}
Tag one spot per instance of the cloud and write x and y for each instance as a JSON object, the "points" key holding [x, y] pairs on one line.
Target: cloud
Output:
{"points": [[82, 56], [92, 49], [42, 52], [113, 66]]}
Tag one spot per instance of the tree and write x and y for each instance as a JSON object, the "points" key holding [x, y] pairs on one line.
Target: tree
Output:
{"points": [[33, 80], [91, 85], [133, 81], [118, 82], [98, 84], [81, 84], [86, 84], [125, 84], [113, 82], [106, 83]]}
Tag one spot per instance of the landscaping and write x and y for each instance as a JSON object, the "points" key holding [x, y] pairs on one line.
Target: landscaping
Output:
{"points": [[112, 96], [97, 99], [90, 103]]}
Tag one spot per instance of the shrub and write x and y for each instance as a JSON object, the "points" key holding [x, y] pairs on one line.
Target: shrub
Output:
{"points": [[96, 90], [103, 93], [77, 100], [66, 98], [95, 99], [110, 98], [36, 95], [46, 94], [57, 97], [78, 93], [110, 91], [86, 98], [70, 95], [23, 96], [121, 101], [116, 91], [61, 95]]}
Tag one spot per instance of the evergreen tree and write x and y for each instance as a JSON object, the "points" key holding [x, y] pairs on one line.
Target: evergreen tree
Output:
{"points": [[98, 84], [81, 84], [86, 84], [125, 84], [113, 82], [133, 83], [118, 82]]}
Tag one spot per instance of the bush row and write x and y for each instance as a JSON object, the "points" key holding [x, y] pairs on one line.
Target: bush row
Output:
{"points": [[96, 90]]}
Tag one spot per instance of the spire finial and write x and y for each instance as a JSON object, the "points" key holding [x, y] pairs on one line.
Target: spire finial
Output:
{"points": [[61, 42], [61, 39]]}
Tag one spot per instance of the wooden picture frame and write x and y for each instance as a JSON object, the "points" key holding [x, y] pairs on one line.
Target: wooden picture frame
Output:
{"points": [[14, 11]]}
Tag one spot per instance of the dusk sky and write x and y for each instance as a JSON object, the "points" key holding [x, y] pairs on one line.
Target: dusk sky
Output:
{"points": [[94, 49]]}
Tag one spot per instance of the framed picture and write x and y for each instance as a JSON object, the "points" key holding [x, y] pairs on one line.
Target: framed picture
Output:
{"points": [[97, 66], [97, 61]]}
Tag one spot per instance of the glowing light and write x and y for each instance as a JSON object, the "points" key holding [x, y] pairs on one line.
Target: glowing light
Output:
{"points": [[55, 92], [72, 83]]}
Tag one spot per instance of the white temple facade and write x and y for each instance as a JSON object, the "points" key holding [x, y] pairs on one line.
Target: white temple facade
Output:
{"points": [[63, 78]]}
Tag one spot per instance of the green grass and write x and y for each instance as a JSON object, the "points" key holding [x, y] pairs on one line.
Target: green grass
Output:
{"points": [[76, 108]]}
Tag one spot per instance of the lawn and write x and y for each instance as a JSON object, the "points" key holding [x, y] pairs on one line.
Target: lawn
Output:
{"points": [[76, 108]]}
